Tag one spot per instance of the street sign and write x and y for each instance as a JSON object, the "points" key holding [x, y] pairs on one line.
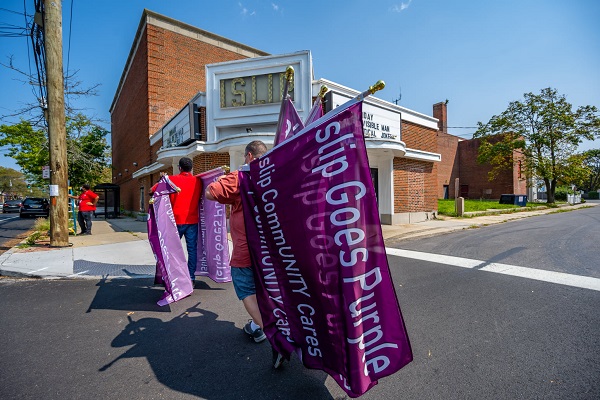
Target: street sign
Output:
{"points": [[46, 172]]}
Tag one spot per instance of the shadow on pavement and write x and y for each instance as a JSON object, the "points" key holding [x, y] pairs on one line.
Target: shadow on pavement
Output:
{"points": [[197, 354], [127, 295], [93, 268]]}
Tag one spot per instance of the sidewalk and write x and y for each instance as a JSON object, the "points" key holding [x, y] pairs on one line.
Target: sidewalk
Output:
{"points": [[120, 248]]}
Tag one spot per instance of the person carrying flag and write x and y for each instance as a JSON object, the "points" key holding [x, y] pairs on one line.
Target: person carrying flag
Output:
{"points": [[226, 190], [185, 209]]}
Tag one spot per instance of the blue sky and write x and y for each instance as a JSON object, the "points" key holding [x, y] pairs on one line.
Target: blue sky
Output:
{"points": [[479, 55]]}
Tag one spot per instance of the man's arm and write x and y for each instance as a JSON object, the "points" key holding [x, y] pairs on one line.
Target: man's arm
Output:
{"points": [[209, 195], [224, 190]]}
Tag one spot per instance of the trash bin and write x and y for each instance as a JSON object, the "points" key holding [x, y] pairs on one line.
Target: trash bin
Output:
{"points": [[516, 199]]}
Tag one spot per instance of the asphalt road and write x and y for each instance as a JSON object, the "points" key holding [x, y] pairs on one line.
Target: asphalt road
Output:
{"points": [[561, 242], [13, 230], [475, 334]]}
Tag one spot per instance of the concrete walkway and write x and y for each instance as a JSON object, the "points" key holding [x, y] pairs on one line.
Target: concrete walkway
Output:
{"points": [[120, 248]]}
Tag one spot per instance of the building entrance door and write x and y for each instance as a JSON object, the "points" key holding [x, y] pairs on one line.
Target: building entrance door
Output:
{"points": [[375, 179]]}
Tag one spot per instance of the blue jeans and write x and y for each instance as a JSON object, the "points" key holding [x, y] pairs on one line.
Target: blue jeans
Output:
{"points": [[85, 221], [190, 231]]}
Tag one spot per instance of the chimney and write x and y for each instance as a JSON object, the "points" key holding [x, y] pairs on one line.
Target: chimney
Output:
{"points": [[440, 111]]}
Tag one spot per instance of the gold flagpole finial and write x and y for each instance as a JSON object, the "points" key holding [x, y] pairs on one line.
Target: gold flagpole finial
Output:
{"points": [[226, 168], [322, 91], [377, 86], [289, 73]]}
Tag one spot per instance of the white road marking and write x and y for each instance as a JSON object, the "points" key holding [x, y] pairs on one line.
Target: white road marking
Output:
{"points": [[79, 273], [561, 278], [37, 270]]}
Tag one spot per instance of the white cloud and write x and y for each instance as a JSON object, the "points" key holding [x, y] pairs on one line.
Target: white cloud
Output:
{"points": [[275, 6], [244, 11], [401, 7]]}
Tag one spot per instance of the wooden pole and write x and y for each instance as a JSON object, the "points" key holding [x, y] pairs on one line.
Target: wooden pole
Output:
{"points": [[57, 134]]}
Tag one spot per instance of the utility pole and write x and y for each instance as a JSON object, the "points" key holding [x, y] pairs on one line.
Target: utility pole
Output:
{"points": [[57, 133]]}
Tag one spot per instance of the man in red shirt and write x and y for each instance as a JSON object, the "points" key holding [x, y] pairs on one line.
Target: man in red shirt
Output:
{"points": [[87, 206], [226, 190], [185, 209]]}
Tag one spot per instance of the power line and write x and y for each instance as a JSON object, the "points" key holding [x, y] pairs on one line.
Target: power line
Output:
{"points": [[12, 30], [39, 55], [10, 11], [70, 30], [28, 55]]}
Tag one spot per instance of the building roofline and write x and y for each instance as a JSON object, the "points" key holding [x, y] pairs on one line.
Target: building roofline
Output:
{"points": [[153, 18], [407, 114]]}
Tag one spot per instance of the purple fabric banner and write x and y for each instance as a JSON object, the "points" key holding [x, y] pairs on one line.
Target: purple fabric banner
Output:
{"points": [[171, 265], [213, 245], [315, 113], [323, 281], [289, 121]]}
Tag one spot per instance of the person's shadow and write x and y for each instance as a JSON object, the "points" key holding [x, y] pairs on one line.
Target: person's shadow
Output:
{"points": [[196, 353]]}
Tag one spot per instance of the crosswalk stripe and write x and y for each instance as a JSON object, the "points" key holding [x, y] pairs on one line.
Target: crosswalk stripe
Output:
{"points": [[561, 278]]}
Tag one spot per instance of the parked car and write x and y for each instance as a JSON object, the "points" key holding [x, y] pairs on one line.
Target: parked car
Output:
{"points": [[11, 206], [35, 206]]}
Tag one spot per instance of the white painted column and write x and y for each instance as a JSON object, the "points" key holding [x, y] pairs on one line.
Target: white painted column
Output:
{"points": [[384, 162], [236, 158]]}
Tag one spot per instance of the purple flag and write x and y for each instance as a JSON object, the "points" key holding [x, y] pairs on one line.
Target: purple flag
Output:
{"points": [[213, 246], [171, 265], [316, 112], [323, 281], [289, 121]]}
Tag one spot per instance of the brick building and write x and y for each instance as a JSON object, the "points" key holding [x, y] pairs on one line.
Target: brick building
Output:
{"points": [[459, 161], [164, 70], [188, 92]]}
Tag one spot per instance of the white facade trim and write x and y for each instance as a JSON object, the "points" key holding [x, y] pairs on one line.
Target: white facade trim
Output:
{"points": [[422, 155], [407, 114], [147, 170]]}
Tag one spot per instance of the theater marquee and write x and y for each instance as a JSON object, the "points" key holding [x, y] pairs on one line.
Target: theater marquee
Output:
{"points": [[378, 122], [244, 96], [253, 90]]}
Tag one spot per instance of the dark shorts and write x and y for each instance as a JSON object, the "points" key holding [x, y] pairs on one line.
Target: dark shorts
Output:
{"points": [[243, 282]]}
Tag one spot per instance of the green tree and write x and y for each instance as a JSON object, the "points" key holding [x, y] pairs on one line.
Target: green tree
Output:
{"points": [[12, 183], [591, 159], [87, 150], [546, 130]]}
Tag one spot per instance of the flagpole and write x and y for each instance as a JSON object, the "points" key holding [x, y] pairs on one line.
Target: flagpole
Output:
{"points": [[372, 89], [322, 92], [289, 75], [316, 110]]}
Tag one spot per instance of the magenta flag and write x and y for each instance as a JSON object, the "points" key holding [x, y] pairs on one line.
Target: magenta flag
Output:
{"points": [[171, 265], [289, 121], [315, 112], [213, 245], [323, 281]]}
